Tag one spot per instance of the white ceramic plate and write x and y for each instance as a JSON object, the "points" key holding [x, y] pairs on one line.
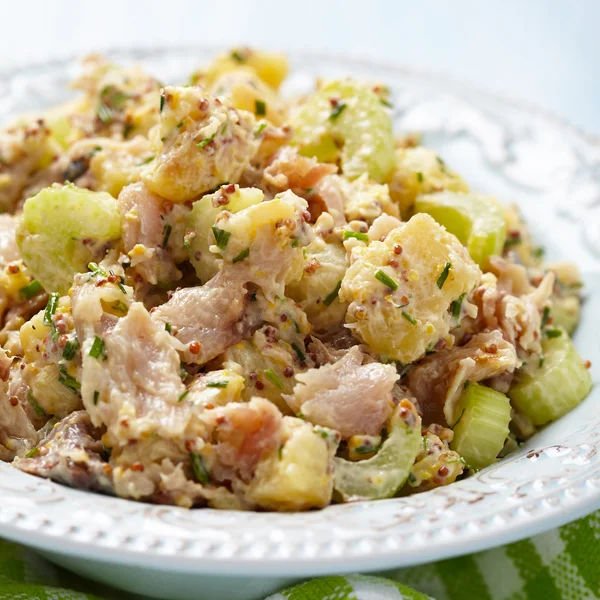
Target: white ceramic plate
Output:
{"points": [[519, 153]]}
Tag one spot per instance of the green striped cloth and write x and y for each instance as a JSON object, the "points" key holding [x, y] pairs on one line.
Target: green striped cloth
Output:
{"points": [[563, 564]]}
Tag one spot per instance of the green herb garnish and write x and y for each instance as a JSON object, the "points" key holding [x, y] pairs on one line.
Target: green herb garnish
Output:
{"points": [[183, 395], [386, 279], [221, 237], [162, 100], [333, 295], [261, 127], [51, 309], [31, 289], [217, 384], [419, 177], [456, 306], [337, 111], [37, 409], [410, 319], [363, 237], [200, 472], [97, 348], [71, 348], [96, 397], [298, 351], [260, 108], [206, 141], [242, 255], [553, 333], [67, 380], [33, 453], [272, 377], [443, 275], [168, 327]]}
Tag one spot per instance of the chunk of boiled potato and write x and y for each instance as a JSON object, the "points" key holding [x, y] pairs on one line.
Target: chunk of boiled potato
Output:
{"points": [[62, 229], [398, 294], [248, 92], [315, 292], [348, 114], [202, 218], [421, 171], [298, 477], [271, 67], [201, 143]]}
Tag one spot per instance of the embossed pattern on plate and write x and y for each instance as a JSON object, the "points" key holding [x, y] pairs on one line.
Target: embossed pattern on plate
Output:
{"points": [[519, 153]]}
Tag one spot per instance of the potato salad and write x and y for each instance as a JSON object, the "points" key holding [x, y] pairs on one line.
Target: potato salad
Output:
{"points": [[217, 294]]}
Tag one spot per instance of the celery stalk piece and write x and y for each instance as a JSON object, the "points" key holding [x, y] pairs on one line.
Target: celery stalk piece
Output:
{"points": [[385, 473], [545, 393], [62, 229], [474, 219], [482, 427], [349, 115]]}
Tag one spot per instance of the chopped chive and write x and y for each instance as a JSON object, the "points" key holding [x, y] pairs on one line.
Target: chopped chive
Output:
{"points": [[545, 316], [261, 127], [363, 237], [180, 125], [31, 289], [541, 361], [71, 348], [367, 449], [280, 452], [183, 395], [456, 306], [200, 472], [443, 275], [206, 141], [513, 241], [467, 384], [272, 377], [298, 351], [553, 333], [441, 162], [386, 279], [295, 244], [221, 237], [107, 451], [127, 130], [162, 100], [333, 295], [242, 255], [37, 409], [146, 160], [419, 177], [168, 327], [410, 319], [96, 270], [50, 308], [167, 234], [296, 327], [104, 113], [300, 415], [337, 111], [96, 397], [67, 380], [538, 252], [260, 108], [97, 348], [237, 56], [386, 103], [33, 453], [217, 384]]}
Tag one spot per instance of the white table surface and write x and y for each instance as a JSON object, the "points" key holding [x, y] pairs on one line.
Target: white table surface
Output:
{"points": [[542, 51]]}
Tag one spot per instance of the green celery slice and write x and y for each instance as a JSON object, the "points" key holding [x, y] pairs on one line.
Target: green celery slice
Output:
{"points": [[474, 219], [482, 427], [385, 473], [62, 229], [551, 390], [349, 114]]}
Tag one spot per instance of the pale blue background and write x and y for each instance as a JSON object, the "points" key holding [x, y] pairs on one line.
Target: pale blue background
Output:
{"points": [[542, 51]]}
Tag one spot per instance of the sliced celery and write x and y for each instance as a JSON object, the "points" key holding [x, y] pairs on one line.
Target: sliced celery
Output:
{"points": [[474, 219], [348, 114], [62, 229], [482, 427], [385, 473], [549, 391]]}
